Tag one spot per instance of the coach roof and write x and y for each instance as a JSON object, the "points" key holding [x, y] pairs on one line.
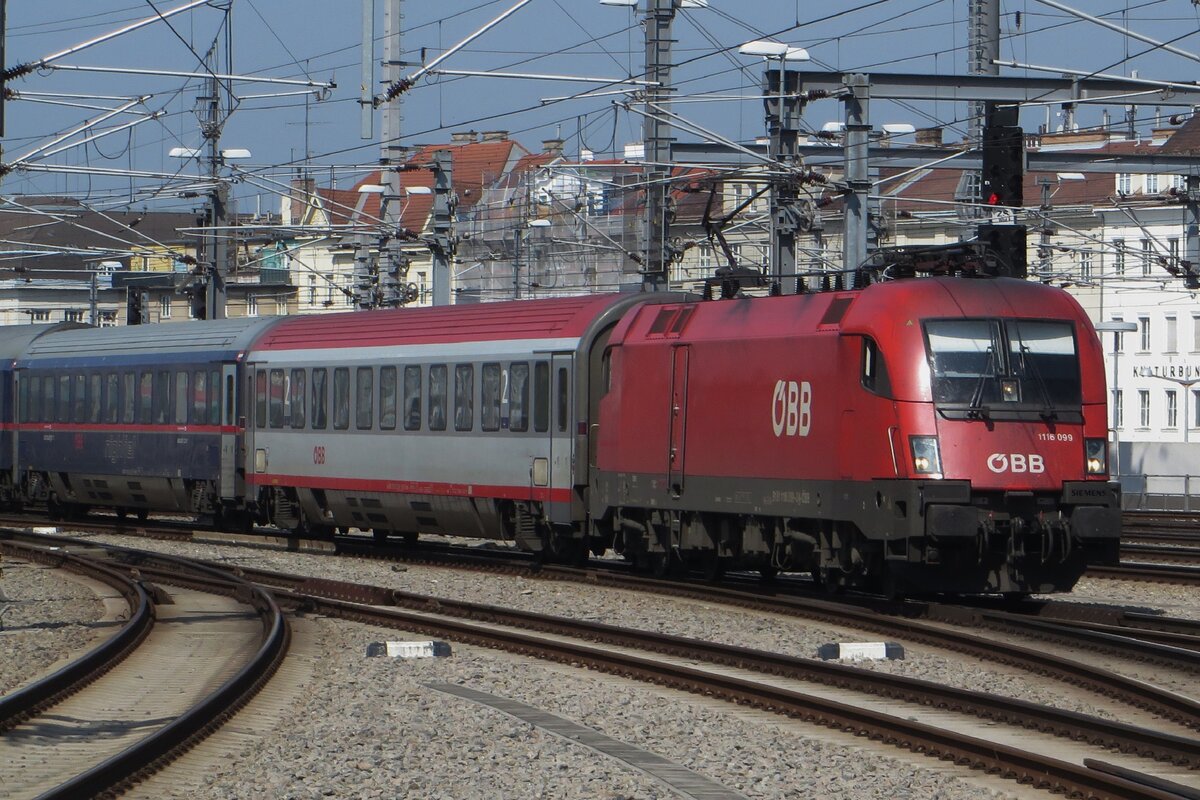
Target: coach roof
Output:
{"points": [[564, 318], [167, 342]]}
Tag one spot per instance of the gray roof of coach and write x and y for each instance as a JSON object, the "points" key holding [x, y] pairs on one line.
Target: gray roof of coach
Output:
{"points": [[15, 339], [171, 337]]}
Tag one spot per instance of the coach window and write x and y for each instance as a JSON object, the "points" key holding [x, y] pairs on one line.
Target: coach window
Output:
{"points": [[564, 388], [25, 384], [145, 396], [162, 397], [364, 412], [412, 398], [128, 397], [214, 398], [489, 407], [79, 400], [112, 398], [31, 397], [199, 397], [296, 388], [64, 399], [320, 393], [260, 398], [541, 397], [181, 398], [387, 398], [518, 396], [95, 398], [464, 391], [275, 401], [438, 376], [874, 370], [341, 398]]}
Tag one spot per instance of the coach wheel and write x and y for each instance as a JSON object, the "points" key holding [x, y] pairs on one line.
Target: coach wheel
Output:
{"points": [[379, 535], [143, 514], [768, 574]]}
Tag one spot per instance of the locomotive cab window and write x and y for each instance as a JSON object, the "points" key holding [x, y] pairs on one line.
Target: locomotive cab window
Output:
{"points": [[987, 367], [874, 370]]}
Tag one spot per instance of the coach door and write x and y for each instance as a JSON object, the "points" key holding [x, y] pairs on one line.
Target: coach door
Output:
{"points": [[561, 418], [229, 426], [678, 411]]}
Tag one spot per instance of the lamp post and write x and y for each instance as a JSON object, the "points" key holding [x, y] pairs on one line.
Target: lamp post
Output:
{"points": [[1116, 327]]}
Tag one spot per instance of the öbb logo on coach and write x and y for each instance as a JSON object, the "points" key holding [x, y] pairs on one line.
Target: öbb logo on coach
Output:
{"points": [[791, 408], [1016, 462]]}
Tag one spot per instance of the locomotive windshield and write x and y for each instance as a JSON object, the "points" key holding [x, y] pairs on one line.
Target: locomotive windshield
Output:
{"points": [[992, 368]]}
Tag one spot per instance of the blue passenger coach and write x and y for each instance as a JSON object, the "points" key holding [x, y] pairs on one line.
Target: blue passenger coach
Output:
{"points": [[134, 419], [14, 339]]}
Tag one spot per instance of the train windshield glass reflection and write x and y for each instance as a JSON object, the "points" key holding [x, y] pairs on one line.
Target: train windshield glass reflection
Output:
{"points": [[986, 364]]}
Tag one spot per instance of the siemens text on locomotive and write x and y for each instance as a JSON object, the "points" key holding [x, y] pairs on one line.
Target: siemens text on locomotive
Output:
{"points": [[921, 435]]}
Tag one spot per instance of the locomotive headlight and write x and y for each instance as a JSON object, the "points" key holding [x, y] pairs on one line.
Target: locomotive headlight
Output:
{"points": [[926, 459], [1095, 455]]}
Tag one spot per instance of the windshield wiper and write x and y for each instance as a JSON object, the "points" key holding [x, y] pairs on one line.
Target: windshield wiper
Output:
{"points": [[976, 409], [1048, 412]]}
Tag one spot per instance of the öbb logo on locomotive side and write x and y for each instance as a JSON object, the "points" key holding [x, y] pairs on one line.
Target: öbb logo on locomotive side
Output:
{"points": [[1016, 463], [791, 408]]}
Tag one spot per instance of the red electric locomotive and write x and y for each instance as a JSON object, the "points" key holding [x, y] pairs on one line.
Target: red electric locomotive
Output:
{"points": [[936, 434]]}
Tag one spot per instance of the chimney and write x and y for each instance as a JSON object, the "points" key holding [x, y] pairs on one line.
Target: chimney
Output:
{"points": [[495, 136], [463, 137], [299, 199], [552, 146], [929, 137]]}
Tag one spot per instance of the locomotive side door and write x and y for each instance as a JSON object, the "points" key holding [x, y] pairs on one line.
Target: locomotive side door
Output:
{"points": [[229, 426], [678, 411]]}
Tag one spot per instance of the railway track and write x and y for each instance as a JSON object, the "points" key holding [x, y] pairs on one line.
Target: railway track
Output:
{"points": [[183, 664], [353, 602]]}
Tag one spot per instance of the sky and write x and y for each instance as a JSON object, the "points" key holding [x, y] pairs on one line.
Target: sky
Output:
{"points": [[321, 40]]}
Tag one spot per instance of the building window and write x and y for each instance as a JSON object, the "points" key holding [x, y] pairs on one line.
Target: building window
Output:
{"points": [[1118, 337], [330, 285], [1144, 408], [1119, 408], [1144, 324], [251, 306], [39, 315], [1172, 334], [73, 315], [312, 290], [1172, 409], [108, 319], [1147, 254], [164, 306], [1177, 182], [1173, 251], [1151, 184], [1196, 408], [1085, 264], [1124, 183], [1196, 333], [1119, 256]]}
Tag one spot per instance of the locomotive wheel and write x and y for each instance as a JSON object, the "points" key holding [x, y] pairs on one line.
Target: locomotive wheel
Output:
{"points": [[714, 568]]}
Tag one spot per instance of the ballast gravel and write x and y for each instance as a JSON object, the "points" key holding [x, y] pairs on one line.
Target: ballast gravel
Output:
{"points": [[370, 728], [44, 618]]}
